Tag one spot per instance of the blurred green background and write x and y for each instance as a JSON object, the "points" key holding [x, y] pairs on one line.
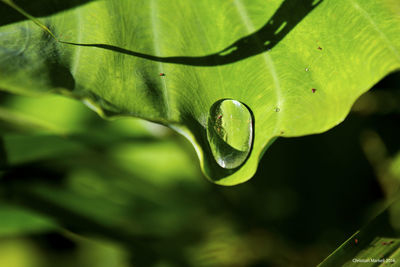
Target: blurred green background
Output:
{"points": [[77, 190]]}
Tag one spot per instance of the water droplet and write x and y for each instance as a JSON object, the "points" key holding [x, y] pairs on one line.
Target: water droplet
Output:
{"points": [[307, 69], [230, 132], [277, 109]]}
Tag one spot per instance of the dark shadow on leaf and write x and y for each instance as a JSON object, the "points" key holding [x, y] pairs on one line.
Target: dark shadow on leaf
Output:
{"points": [[286, 17], [60, 75]]}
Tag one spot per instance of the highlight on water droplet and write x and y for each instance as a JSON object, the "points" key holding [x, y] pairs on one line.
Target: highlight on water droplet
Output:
{"points": [[230, 132]]}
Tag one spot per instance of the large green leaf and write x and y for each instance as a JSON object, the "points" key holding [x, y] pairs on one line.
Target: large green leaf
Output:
{"points": [[269, 55]]}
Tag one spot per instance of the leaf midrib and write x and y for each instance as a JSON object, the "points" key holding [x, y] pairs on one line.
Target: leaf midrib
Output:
{"points": [[154, 12], [243, 15]]}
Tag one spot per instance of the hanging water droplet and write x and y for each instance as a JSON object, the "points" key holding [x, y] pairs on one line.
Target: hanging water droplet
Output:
{"points": [[230, 132]]}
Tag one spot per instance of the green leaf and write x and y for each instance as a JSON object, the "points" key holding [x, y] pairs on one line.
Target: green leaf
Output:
{"points": [[267, 55], [376, 244], [17, 221], [138, 204], [14, 122]]}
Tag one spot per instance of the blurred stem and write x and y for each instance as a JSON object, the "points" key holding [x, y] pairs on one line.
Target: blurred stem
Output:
{"points": [[20, 122], [376, 153], [379, 101], [3, 155]]}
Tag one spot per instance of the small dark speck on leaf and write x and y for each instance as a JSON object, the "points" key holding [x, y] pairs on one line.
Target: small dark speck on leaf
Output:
{"points": [[162, 74], [313, 90], [319, 48], [384, 243], [282, 132]]}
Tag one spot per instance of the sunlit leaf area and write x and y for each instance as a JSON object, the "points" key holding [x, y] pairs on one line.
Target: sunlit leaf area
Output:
{"points": [[209, 133]]}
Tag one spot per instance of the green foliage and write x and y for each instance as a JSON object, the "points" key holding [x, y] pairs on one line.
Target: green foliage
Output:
{"points": [[18, 221], [376, 244], [264, 55], [136, 184], [292, 67]]}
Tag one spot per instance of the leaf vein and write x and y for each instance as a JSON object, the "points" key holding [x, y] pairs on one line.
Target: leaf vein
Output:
{"points": [[267, 59], [153, 10], [365, 14]]}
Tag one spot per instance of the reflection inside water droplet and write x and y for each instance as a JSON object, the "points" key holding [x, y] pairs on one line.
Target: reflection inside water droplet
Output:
{"points": [[230, 132]]}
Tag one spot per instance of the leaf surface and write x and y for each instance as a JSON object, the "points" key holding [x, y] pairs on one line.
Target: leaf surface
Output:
{"points": [[376, 244], [297, 65]]}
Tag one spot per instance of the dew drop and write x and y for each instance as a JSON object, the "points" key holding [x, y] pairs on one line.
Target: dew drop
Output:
{"points": [[230, 132]]}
